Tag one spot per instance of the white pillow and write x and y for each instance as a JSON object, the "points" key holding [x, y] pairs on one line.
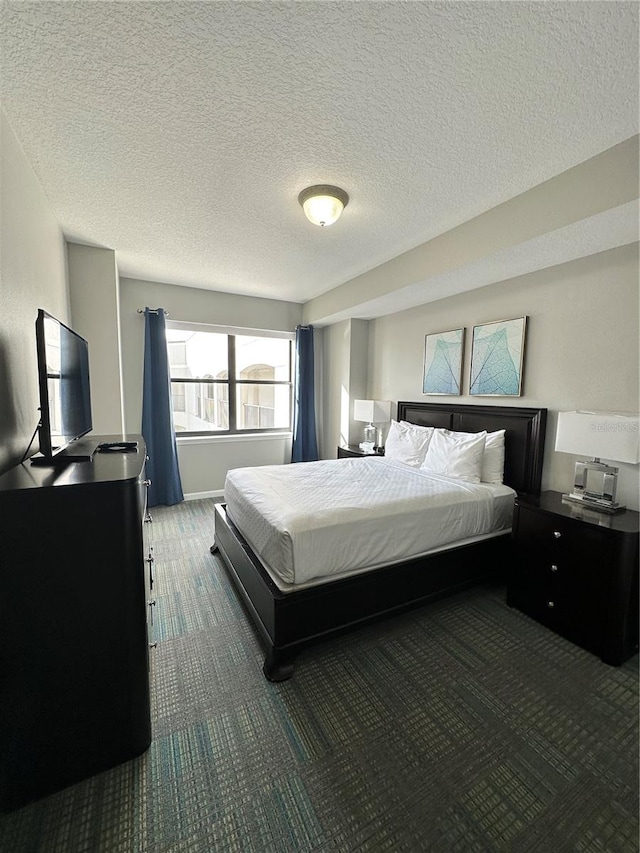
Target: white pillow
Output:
{"points": [[458, 455], [417, 427], [493, 459], [407, 443]]}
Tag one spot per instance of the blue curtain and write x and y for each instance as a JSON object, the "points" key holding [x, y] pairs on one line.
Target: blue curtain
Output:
{"points": [[305, 445], [157, 417]]}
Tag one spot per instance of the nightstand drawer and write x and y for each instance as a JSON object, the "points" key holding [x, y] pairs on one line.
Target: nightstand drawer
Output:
{"points": [[571, 603], [549, 539]]}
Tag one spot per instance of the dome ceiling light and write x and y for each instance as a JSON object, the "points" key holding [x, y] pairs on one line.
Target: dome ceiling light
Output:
{"points": [[323, 204]]}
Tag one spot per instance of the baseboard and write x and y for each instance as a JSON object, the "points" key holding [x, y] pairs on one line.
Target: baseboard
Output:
{"points": [[196, 496]]}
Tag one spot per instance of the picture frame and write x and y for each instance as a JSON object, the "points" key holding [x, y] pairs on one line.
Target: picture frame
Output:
{"points": [[442, 373], [497, 358]]}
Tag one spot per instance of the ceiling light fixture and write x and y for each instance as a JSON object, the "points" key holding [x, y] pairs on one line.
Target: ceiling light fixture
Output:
{"points": [[323, 204]]}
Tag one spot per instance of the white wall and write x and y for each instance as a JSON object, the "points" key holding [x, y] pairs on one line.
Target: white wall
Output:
{"points": [[93, 291], [203, 461], [344, 368], [33, 275], [335, 370], [581, 350]]}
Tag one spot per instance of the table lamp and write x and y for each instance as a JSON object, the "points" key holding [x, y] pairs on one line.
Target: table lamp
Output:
{"points": [[371, 412], [601, 435]]}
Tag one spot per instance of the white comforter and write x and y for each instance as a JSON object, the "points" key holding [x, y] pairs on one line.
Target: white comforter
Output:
{"points": [[315, 519]]}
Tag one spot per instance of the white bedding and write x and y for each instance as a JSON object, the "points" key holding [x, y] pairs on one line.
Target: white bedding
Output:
{"points": [[311, 520]]}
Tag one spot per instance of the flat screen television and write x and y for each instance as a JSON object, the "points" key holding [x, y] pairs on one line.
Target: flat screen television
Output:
{"points": [[65, 392]]}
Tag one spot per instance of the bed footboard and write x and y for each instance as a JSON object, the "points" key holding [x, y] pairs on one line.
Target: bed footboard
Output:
{"points": [[289, 622]]}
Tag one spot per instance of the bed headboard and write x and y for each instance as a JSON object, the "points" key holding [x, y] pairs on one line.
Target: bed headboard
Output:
{"points": [[524, 436]]}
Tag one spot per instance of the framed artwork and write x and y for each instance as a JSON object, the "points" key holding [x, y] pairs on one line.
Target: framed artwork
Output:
{"points": [[497, 353], [443, 362]]}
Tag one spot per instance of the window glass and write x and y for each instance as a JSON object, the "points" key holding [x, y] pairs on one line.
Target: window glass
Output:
{"points": [[262, 358], [194, 355], [263, 406], [259, 390]]}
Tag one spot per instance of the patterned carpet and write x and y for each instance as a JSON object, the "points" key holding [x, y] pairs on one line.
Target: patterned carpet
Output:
{"points": [[462, 727]]}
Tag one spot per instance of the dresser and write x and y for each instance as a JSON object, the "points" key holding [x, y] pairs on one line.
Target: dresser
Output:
{"points": [[575, 570], [76, 566]]}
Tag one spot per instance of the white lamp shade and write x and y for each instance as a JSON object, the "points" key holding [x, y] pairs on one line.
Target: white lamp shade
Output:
{"points": [[372, 411], [600, 435], [322, 209]]}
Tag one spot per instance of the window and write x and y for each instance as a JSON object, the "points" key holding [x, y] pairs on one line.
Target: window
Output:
{"points": [[229, 383]]}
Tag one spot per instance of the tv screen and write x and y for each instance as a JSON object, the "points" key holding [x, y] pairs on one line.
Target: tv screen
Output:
{"points": [[65, 394]]}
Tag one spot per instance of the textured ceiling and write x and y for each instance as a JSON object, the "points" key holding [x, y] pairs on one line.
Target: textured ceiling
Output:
{"points": [[179, 134]]}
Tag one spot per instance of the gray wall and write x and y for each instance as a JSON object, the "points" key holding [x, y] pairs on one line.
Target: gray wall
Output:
{"points": [[558, 220], [95, 314], [582, 344], [581, 350], [32, 275], [345, 357], [203, 461]]}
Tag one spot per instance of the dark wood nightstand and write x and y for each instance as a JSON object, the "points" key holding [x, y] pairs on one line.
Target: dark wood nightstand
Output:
{"points": [[354, 450], [575, 570]]}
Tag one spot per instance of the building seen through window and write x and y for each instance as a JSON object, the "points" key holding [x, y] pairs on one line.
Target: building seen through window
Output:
{"points": [[229, 383]]}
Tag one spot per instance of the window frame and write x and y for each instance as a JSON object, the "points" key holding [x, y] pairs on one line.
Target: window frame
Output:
{"points": [[232, 383]]}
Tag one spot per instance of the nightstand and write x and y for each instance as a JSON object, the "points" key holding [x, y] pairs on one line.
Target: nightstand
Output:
{"points": [[354, 450], [575, 570]]}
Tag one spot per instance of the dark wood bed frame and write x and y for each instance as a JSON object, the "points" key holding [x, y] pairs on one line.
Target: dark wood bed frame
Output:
{"points": [[290, 621]]}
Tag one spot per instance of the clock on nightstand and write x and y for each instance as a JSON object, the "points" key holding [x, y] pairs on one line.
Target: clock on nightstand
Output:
{"points": [[575, 570]]}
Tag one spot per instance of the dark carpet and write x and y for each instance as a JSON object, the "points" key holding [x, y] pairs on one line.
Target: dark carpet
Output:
{"points": [[461, 727]]}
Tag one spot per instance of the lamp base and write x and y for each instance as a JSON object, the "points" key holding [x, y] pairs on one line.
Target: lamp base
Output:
{"points": [[595, 485], [599, 504], [370, 434]]}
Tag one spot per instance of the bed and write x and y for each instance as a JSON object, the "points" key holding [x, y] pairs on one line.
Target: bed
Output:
{"points": [[303, 592]]}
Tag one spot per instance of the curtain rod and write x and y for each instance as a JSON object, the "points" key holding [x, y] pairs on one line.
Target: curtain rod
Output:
{"points": [[152, 311]]}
